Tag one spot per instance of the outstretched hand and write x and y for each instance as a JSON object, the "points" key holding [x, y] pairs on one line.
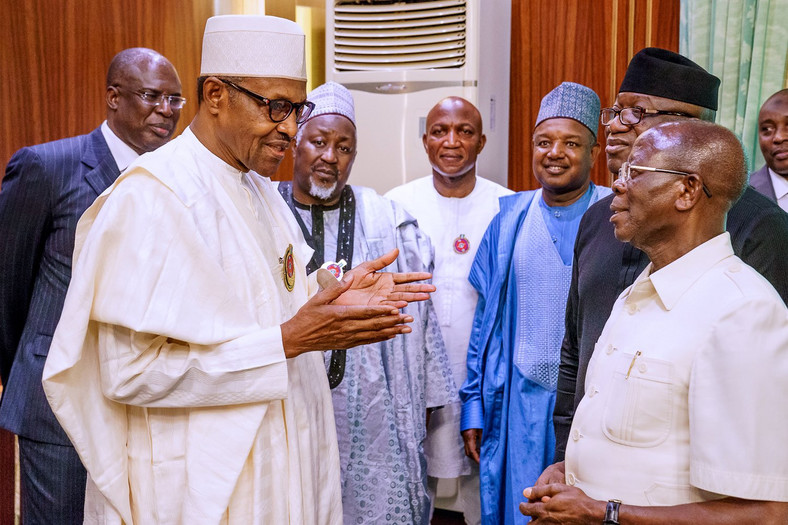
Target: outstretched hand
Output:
{"points": [[370, 287]]}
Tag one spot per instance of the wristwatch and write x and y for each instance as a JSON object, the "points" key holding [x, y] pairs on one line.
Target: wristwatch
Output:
{"points": [[611, 512]]}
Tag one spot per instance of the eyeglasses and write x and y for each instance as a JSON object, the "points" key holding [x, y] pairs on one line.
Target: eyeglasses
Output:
{"points": [[624, 174], [279, 108], [156, 99], [633, 115]]}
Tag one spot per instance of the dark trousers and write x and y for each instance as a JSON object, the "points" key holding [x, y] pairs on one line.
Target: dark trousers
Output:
{"points": [[52, 483]]}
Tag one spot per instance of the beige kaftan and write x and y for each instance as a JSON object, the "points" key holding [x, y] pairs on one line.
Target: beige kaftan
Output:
{"points": [[167, 369]]}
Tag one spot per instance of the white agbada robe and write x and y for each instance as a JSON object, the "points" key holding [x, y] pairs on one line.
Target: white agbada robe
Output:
{"points": [[167, 369], [443, 219]]}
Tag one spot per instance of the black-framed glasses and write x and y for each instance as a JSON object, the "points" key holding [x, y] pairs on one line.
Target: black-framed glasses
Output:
{"points": [[278, 108], [152, 98], [633, 115], [624, 174]]}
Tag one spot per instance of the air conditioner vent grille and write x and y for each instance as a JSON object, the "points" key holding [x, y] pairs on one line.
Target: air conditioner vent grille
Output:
{"points": [[425, 34]]}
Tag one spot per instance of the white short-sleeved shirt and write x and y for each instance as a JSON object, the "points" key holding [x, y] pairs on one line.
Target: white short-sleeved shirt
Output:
{"points": [[686, 389]]}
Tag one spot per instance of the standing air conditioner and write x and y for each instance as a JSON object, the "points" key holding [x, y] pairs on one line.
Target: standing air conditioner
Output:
{"points": [[399, 59]]}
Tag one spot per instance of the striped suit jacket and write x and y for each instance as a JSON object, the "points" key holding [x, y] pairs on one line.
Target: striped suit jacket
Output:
{"points": [[45, 190]]}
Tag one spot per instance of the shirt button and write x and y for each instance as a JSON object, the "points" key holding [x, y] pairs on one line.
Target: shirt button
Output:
{"points": [[609, 350], [557, 213], [555, 239], [632, 309], [735, 267], [570, 479], [575, 434], [592, 392], [642, 367]]}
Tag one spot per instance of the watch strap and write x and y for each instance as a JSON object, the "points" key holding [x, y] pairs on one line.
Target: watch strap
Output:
{"points": [[611, 512]]}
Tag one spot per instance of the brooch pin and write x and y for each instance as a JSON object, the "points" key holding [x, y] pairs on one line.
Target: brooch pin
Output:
{"points": [[461, 244], [288, 268]]}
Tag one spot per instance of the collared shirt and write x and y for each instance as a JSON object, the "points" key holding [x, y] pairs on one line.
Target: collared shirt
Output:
{"points": [[562, 223], [121, 152], [780, 185], [685, 392]]}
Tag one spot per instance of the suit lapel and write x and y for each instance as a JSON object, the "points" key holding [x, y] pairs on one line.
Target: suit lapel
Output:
{"points": [[761, 181], [98, 157]]}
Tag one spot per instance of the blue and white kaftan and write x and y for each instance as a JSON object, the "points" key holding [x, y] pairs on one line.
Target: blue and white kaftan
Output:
{"points": [[515, 344]]}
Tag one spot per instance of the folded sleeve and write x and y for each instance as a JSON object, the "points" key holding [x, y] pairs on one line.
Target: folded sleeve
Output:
{"points": [[737, 403], [173, 330]]}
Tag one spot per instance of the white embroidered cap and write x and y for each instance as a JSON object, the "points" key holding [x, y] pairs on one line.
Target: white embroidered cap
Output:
{"points": [[253, 46], [332, 99]]}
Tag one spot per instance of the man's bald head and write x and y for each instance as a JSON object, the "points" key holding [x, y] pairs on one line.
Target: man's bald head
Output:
{"points": [[140, 87], [130, 61], [711, 151], [453, 139], [456, 105], [681, 180]]}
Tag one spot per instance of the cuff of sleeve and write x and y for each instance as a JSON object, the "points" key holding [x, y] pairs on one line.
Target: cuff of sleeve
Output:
{"points": [[471, 415], [752, 486], [312, 286]]}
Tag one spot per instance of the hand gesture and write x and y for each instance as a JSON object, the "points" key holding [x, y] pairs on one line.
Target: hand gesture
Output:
{"points": [[373, 288]]}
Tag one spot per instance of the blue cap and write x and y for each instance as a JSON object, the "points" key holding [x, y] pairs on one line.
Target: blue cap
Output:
{"points": [[570, 100]]}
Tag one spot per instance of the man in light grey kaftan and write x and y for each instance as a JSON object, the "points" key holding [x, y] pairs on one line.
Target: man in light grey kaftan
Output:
{"points": [[381, 393]]}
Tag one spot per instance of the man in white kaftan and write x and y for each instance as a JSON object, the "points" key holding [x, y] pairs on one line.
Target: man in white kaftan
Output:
{"points": [[180, 370], [382, 392], [454, 207]]}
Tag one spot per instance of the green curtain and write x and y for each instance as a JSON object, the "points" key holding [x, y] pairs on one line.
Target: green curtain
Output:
{"points": [[745, 44]]}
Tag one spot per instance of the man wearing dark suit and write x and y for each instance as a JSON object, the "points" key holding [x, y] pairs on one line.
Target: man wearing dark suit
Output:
{"points": [[659, 86], [772, 178], [45, 190]]}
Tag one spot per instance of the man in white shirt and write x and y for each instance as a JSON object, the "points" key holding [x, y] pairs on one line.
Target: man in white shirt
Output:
{"points": [[184, 372], [772, 178], [454, 207], [45, 190], [684, 415]]}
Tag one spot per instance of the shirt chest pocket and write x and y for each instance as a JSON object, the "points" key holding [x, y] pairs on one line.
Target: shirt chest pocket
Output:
{"points": [[638, 410]]}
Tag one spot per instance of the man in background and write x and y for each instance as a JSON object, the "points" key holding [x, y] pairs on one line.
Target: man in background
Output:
{"points": [[45, 190], [454, 207], [772, 178], [659, 86], [522, 273], [382, 393]]}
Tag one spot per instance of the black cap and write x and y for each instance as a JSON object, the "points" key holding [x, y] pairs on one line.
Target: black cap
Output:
{"points": [[663, 73]]}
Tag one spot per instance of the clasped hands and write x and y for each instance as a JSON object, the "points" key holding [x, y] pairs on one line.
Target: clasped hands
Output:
{"points": [[360, 309], [551, 500]]}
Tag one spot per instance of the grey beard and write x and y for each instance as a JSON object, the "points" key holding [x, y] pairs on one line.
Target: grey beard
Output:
{"points": [[322, 193]]}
